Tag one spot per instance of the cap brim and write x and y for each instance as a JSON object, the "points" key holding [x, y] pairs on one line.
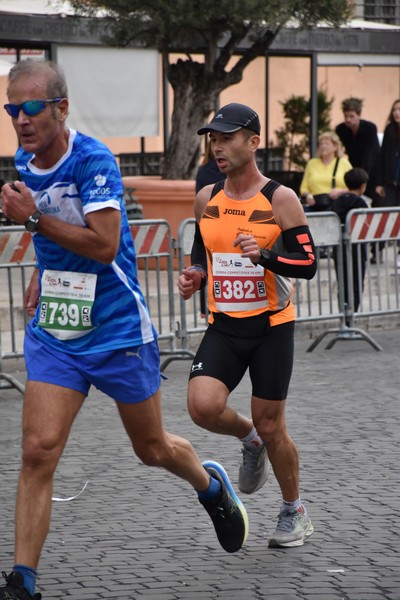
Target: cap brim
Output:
{"points": [[222, 127]]}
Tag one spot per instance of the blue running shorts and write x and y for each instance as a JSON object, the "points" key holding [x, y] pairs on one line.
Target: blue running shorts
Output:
{"points": [[128, 375]]}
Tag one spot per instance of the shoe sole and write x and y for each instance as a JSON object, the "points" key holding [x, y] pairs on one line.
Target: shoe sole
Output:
{"points": [[294, 543], [211, 464], [262, 481]]}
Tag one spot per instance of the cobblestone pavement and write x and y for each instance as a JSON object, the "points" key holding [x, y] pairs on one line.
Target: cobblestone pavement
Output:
{"points": [[137, 533]]}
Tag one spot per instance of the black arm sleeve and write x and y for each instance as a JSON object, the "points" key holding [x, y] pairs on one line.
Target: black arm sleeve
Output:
{"points": [[297, 258], [198, 255]]}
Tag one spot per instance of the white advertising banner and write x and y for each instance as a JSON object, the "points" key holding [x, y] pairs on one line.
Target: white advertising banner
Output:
{"points": [[113, 92]]}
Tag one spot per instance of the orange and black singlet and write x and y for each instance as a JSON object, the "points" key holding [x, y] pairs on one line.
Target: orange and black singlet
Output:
{"points": [[236, 286]]}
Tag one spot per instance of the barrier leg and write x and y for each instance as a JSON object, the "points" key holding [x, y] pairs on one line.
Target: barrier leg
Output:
{"points": [[353, 333], [8, 381], [347, 334], [182, 355]]}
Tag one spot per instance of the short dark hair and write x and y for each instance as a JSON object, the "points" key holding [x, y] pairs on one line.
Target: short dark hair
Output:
{"points": [[352, 104], [355, 178]]}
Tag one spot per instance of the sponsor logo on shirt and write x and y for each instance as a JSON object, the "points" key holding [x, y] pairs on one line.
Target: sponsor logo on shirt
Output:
{"points": [[234, 211], [100, 181]]}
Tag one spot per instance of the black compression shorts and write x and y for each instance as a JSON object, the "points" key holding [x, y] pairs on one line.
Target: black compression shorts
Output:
{"points": [[230, 346]]}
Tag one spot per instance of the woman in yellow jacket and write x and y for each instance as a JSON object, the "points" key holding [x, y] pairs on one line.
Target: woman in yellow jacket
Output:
{"points": [[323, 179]]}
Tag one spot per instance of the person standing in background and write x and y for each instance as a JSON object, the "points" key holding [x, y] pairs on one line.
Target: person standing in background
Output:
{"points": [[361, 143], [356, 180], [388, 171], [208, 171]]}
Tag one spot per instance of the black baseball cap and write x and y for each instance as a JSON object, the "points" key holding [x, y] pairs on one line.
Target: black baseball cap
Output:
{"points": [[231, 118]]}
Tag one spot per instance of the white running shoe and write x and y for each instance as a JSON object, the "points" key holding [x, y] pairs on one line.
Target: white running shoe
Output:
{"points": [[294, 527]]}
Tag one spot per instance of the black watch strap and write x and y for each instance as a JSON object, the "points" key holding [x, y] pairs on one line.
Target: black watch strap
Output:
{"points": [[32, 222]]}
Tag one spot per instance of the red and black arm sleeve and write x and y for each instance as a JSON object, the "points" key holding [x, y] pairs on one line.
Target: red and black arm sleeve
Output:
{"points": [[297, 258]]}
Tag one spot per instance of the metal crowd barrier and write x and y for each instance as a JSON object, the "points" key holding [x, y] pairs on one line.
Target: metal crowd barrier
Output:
{"points": [[371, 270], [368, 233], [323, 298], [191, 319], [17, 259], [153, 244], [154, 253]]}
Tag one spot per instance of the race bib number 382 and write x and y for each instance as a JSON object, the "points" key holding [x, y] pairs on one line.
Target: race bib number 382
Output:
{"points": [[66, 303], [238, 283]]}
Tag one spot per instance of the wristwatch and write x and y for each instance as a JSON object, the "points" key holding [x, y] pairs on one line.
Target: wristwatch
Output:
{"points": [[32, 222]]}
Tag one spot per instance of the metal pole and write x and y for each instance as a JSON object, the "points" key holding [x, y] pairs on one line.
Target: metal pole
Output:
{"points": [[266, 152], [313, 105]]}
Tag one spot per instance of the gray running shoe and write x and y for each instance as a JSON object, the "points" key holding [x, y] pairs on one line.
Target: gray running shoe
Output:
{"points": [[253, 472], [294, 526]]}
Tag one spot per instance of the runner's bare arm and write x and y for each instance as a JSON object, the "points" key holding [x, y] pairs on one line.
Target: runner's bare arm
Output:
{"points": [[99, 240]]}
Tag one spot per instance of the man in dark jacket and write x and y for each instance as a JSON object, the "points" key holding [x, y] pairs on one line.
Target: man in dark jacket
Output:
{"points": [[360, 139]]}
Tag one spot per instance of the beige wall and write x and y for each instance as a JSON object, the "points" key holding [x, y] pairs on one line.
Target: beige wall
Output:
{"points": [[378, 86]]}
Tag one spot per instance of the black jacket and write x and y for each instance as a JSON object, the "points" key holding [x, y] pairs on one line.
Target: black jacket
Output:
{"points": [[388, 172], [344, 203], [362, 148]]}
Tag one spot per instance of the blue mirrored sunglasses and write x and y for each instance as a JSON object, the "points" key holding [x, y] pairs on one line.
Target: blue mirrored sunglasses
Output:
{"points": [[30, 107]]}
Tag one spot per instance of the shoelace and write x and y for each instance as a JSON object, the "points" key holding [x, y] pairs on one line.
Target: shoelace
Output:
{"points": [[223, 506], [286, 519], [8, 578], [251, 458]]}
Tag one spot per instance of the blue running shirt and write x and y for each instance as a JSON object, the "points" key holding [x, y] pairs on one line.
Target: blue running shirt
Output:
{"points": [[84, 180]]}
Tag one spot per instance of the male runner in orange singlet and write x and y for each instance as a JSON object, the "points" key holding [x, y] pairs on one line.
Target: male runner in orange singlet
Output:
{"points": [[251, 237]]}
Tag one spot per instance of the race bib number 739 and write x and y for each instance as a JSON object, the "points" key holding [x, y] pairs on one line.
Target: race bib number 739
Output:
{"points": [[66, 303]]}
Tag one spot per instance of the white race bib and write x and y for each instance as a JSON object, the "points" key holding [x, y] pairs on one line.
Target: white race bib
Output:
{"points": [[66, 303], [239, 285]]}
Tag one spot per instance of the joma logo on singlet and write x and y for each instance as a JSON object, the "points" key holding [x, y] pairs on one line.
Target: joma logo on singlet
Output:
{"points": [[234, 211]]}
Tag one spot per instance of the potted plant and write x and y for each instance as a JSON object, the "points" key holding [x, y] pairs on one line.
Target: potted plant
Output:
{"points": [[293, 138]]}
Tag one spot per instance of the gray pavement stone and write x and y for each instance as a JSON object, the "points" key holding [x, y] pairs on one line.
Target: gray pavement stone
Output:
{"points": [[138, 533]]}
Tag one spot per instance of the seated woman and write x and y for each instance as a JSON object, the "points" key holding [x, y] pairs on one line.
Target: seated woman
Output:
{"points": [[323, 179]]}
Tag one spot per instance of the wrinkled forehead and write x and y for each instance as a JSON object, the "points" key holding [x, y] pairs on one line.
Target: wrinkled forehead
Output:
{"points": [[26, 87]]}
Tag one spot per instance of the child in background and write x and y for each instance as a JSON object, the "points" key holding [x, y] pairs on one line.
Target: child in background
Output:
{"points": [[356, 181]]}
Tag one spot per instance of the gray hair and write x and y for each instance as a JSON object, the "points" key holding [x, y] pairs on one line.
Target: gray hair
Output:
{"points": [[56, 82]]}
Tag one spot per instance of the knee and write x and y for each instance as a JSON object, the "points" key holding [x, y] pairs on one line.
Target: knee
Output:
{"points": [[205, 409], [149, 455], [271, 431], [201, 412], [158, 453], [40, 454]]}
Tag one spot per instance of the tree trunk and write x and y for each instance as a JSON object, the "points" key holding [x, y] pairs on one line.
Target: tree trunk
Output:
{"points": [[188, 81], [196, 89]]}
